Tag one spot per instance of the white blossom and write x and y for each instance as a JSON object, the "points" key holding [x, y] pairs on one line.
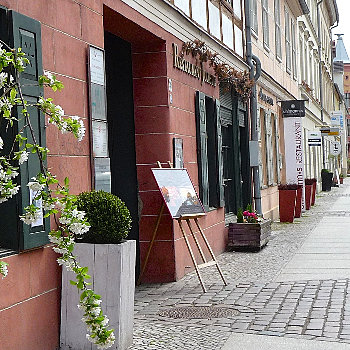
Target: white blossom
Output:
{"points": [[64, 220], [79, 214], [23, 157], [105, 321], [35, 186], [13, 190], [81, 131], [59, 111], [3, 77], [49, 76], [1, 143], [96, 311], [29, 218], [79, 228], [60, 250], [48, 205], [3, 269]]}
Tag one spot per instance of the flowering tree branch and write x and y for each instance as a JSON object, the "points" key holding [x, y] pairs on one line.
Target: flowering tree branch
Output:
{"points": [[50, 197]]}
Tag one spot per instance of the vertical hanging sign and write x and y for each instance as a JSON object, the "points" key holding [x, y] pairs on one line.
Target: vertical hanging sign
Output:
{"points": [[293, 111], [98, 117]]}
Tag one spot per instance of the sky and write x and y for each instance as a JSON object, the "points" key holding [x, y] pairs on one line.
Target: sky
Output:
{"points": [[344, 24]]}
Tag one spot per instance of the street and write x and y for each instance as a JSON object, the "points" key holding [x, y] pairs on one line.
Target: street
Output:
{"points": [[293, 294]]}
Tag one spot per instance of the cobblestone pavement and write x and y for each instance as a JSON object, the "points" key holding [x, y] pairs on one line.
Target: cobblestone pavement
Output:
{"points": [[307, 309]]}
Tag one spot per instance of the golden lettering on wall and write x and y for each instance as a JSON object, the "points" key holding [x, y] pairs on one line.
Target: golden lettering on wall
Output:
{"points": [[192, 69]]}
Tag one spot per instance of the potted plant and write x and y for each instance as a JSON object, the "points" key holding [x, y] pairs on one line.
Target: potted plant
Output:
{"points": [[250, 232], [298, 201], [327, 179], [287, 199], [111, 263], [308, 193]]}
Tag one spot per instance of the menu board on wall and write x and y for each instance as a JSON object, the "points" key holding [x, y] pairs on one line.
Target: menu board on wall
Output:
{"points": [[98, 117], [178, 192]]}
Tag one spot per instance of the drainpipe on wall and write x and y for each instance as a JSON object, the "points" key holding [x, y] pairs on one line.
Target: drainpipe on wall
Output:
{"points": [[255, 72], [332, 67], [320, 73]]}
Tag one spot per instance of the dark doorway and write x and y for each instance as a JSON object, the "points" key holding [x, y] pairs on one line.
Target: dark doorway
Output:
{"points": [[121, 128]]}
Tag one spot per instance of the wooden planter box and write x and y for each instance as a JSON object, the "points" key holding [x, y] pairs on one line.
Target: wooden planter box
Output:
{"points": [[314, 190], [112, 271], [245, 236], [287, 199], [308, 193], [297, 211]]}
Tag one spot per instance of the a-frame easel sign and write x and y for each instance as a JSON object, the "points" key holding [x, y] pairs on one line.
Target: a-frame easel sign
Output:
{"points": [[184, 204]]}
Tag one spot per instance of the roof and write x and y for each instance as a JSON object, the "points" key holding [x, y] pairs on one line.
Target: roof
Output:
{"points": [[341, 53]]}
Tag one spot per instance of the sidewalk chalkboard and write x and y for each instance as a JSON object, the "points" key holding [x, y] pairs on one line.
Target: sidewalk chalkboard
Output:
{"points": [[178, 192]]}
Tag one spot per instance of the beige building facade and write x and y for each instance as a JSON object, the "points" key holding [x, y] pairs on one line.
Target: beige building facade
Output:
{"points": [[274, 40], [316, 85]]}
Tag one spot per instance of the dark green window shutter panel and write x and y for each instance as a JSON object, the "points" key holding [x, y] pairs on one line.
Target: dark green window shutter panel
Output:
{"points": [[202, 149], [22, 31], [220, 161]]}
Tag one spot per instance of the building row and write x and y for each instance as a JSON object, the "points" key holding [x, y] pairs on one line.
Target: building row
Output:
{"points": [[141, 75]]}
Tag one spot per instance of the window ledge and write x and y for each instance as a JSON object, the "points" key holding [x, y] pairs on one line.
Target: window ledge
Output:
{"points": [[6, 252], [279, 59], [267, 48], [230, 218], [255, 35]]}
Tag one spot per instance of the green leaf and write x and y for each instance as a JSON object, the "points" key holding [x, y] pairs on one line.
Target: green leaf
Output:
{"points": [[66, 181]]}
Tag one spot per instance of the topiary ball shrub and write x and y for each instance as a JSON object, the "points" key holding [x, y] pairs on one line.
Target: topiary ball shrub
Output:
{"points": [[108, 216]]}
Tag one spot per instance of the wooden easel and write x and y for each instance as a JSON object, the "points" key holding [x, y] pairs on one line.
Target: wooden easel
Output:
{"points": [[155, 230], [205, 263], [186, 218]]}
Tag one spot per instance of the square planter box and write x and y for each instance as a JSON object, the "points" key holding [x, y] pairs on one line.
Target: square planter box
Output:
{"points": [[249, 236], [112, 271]]}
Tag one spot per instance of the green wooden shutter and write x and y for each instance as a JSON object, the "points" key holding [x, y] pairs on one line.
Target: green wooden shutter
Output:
{"points": [[220, 162], [25, 32], [202, 156], [268, 143]]}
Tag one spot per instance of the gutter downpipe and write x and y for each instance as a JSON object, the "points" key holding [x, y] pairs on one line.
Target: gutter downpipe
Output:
{"points": [[255, 72], [320, 74], [333, 88]]}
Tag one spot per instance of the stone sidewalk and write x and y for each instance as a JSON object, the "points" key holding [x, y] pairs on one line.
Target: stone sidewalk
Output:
{"points": [[296, 289]]}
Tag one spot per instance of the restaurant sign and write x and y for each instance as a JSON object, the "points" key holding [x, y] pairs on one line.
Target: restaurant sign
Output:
{"points": [[195, 70], [293, 108]]}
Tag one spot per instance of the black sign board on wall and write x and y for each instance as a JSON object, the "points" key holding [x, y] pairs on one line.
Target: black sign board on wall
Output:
{"points": [[293, 108]]}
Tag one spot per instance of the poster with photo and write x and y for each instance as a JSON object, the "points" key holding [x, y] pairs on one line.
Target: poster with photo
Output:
{"points": [[178, 192]]}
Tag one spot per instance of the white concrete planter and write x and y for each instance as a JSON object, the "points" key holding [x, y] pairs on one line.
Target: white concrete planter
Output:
{"points": [[112, 271]]}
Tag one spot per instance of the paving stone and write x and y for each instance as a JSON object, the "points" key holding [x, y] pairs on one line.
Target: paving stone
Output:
{"points": [[316, 309]]}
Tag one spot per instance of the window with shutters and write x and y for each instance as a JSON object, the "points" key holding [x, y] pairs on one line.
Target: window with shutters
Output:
{"points": [[209, 151], [254, 15], [21, 31], [270, 153], [278, 37], [265, 22], [287, 41]]}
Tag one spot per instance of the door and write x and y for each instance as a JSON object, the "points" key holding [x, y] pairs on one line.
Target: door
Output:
{"points": [[121, 128]]}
